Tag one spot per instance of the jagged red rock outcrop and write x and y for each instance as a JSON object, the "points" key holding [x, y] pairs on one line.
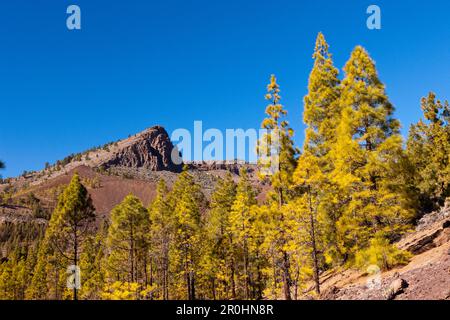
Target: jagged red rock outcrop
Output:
{"points": [[150, 149]]}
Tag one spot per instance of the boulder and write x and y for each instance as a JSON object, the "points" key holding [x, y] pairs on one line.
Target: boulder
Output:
{"points": [[330, 293], [395, 288]]}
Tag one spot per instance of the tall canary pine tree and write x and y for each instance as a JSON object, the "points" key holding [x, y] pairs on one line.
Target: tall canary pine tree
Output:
{"points": [[321, 117], [428, 150], [161, 234], [186, 201], [279, 136], [70, 225], [128, 243], [219, 263], [366, 156]]}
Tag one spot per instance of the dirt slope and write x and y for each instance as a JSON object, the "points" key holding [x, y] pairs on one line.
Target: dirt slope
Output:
{"points": [[426, 277]]}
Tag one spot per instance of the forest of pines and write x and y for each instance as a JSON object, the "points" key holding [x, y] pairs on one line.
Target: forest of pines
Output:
{"points": [[340, 201]]}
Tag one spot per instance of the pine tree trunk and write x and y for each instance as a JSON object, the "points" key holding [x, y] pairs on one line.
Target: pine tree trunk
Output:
{"points": [[246, 282], [286, 277], [233, 272], [233, 283], [166, 272], [213, 287], [132, 252], [186, 275], [260, 284], [75, 262], [192, 278], [285, 263], [313, 243]]}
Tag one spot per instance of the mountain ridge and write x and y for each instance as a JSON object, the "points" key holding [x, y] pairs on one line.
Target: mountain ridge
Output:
{"points": [[150, 149], [110, 172]]}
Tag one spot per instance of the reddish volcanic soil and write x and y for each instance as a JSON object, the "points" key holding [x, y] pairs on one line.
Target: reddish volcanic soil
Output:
{"points": [[111, 191]]}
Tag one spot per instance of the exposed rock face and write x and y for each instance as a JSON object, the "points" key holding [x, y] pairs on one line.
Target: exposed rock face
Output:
{"points": [[229, 165], [151, 149], [431, 218], [432, 231], [17, 214]]}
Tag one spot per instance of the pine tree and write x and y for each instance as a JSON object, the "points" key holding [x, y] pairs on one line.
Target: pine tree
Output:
{"points": [[75, 215], [303, 251], [161, 233], [186, 202], [321, 104], [218, 263], [48, 280], [428, 148], [280, 137], [92, 265], [69, 226], [22, 262], [6, 281], [321, 117], [128, 242], [29, 264], [312, 180], [366, 160], [241, 222], [258, 260], [39, 287]]}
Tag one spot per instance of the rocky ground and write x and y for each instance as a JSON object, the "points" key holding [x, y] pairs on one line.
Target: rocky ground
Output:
{"points": [[426, 277]]}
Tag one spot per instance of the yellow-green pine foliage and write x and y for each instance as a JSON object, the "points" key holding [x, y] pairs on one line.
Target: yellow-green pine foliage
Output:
{"points": [[76, 216], [313, 213], [277, 246], [186, 202], [280, 136], [162, 237], [300, 245], [428, 149], [218, 265], [321, 117], [382, 254], [16, 273], [93, 266], [321, 104], [242, 219], [46, 265], [367, 157], [128, 242], [70, 224], [120, 290], [7, 281]]}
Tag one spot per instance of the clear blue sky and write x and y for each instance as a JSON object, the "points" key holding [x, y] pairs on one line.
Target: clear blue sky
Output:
{"points": [[136, 63]]}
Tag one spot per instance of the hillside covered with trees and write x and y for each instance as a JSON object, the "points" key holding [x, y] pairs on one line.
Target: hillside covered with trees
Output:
{"points": [[339, 201]]}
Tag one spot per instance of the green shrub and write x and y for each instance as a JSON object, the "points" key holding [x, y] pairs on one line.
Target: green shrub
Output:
{"points": [[381, 253]]}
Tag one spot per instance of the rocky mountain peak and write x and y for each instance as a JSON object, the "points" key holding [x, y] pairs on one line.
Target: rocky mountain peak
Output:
{"points": [[151, 149]]}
